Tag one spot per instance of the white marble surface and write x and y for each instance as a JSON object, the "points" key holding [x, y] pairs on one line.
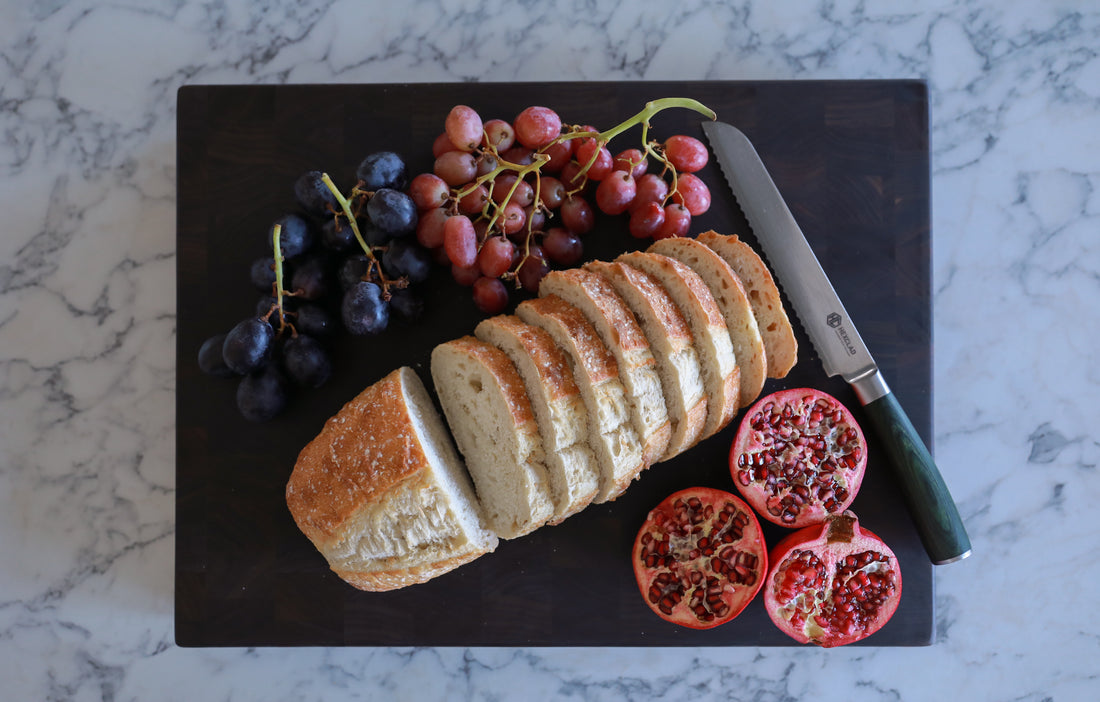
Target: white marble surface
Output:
{"points": [[87, 169]]}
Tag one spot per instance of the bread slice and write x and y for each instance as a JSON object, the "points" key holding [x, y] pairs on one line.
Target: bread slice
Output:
{"points": [[559, 410], [670, 339], [612, 436], [486, 406], [730, 295], [594, 296], [381, 493], [771, 318], [721, 377]]}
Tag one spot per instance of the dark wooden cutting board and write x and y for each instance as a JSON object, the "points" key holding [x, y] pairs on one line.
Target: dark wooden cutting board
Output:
{"points": [[851, 158]]}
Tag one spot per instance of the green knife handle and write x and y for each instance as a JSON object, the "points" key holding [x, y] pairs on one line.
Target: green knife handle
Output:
{"points": [[930, 504]]}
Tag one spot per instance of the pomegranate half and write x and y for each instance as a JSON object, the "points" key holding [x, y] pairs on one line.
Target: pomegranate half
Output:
{"points": [[798, 456], [833, 583], [700, 557]]}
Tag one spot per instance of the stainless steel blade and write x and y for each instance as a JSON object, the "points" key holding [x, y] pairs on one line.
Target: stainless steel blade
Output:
{"points": [[797, 269]]}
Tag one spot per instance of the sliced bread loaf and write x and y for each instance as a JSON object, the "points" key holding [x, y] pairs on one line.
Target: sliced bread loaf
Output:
{"points": [[771, 318], [730, 295], [558, 406], [486, 406], [382, 494], [670, 339], [611, 433], [721, 377], [595, 297]]}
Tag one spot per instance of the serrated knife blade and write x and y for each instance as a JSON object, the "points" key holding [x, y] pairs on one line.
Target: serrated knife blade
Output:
{"points": [[837, 341]]}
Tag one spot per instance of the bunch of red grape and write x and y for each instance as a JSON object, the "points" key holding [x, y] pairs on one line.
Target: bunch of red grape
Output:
{"points": [[337, 262], [506, 201]]}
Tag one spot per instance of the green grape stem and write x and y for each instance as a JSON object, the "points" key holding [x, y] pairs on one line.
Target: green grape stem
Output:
{"points": [[345, 206], [276, 233]]}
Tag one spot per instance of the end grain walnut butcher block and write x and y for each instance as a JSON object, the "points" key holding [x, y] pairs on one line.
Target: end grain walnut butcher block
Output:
{"points": [[670, 339], [612, 436], [487, 408], [732, 299], [771, 318], [558, 406], [721, 377], [612, 319], [382, 494]]}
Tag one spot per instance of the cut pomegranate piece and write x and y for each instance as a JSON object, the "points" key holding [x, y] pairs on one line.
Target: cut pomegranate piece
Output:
{"points": [[833, 583], [798, 456], [700, 557]]}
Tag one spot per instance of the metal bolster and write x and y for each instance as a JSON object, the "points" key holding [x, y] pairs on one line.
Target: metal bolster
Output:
{"points": [[869, 385]]}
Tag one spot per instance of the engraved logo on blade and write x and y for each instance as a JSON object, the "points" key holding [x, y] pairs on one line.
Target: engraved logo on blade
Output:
{"points": [[834, 320]]}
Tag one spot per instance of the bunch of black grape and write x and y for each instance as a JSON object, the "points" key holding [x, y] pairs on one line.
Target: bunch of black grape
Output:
{"points": [[342, 263]]}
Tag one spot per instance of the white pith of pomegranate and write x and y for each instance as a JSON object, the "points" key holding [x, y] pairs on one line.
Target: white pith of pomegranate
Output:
{"points": [[832, 584], [700, 557], [798, 456]]}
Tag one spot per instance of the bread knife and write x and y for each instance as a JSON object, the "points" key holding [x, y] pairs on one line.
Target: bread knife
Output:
{"points": [[837, 342]]}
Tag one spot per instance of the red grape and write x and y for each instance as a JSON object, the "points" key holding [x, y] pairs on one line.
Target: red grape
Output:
{"points": [[486, 163], [537, 126], [455, 168], [562, 246], [651, 188], [490, 295], [496, 255], [536, 216], [646, 219], [692, 193], [428, 190], [519, 155], [499, 134], [577, 215], [602, 165], [559, 154], [615, 193], [513, 218], [460, 241], [687, 154], [633, 161], [523, 195], [429, 228], [677, 221], [473, 201], [533, 269], [551, 192], [571, 178], [466, 275], [464, 127], [442, 145]]}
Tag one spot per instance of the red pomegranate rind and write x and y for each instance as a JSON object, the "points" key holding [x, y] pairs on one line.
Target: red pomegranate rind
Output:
{"points": [[798, 456], [832, 584], [700, 557]]}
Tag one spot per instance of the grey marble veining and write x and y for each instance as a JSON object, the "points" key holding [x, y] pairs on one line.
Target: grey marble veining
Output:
{"points": [[87, 301]]}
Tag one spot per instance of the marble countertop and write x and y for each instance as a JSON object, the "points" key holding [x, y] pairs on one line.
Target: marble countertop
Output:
{"points": [[87, 318]]}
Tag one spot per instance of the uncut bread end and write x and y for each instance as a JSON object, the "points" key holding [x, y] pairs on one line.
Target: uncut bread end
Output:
{"points": [[381, 493], [616, 326], [487, 408], [775, 327], [612, 436], [672, 344], [733, 301], [574, 474]]}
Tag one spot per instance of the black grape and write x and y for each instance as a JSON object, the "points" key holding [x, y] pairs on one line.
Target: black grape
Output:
{"points": [[407, 304], [352, 270], [407, 258], [267, 303], [248, 345], [306, 361], [211, 360], [313, 320], [261, 396], [384, 169], [314, 195], [363, 310], [295, 238], [337, 234], [262, 273], [312, 279], [393, 212], [375, 236]]}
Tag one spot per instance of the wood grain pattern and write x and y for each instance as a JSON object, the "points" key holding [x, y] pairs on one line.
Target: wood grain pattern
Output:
{"points": [[851, 159]]}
